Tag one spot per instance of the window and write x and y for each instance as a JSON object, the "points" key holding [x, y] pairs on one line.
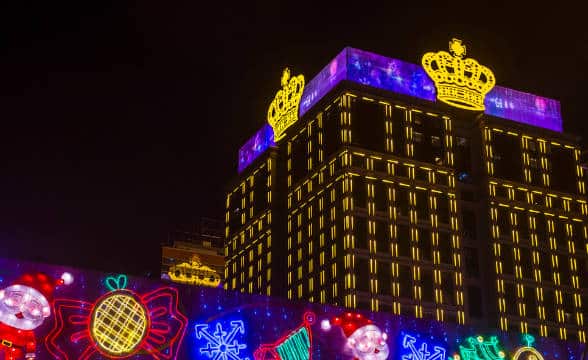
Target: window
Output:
{"points": [[443, 208], [426, 247], [561, 236], [402, 202], [384, 278], [463, 162], [448, 288], [510, 297], [507, 260], [368, 124], [359, 192], [405, 280], [381, 196], [331, 127], [382, 237], [545, 266], [427, 134], [530, 304], [526, 263], [362, 273], [260, 192], [469, 224], [427, 286], [422, 204], [403, 240], [474, 301], [298, 157], [507, 157], [563, 169], [361, 233], [398, 132], [504, 222], [549, 304], [471, 262], [445, 248]]}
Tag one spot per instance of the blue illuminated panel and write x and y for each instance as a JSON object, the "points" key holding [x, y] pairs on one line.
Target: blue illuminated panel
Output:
{"points": [[524, 108], [146, 319], [255, 146]]}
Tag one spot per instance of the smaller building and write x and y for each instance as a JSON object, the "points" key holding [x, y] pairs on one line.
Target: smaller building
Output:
{"points": [[195, 257]]}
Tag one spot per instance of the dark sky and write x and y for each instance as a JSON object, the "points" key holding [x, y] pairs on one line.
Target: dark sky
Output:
{"points": [[121, 122]]}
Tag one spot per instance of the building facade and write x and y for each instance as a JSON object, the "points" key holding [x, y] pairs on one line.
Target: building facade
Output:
{"points": [[395, 190], [195, 257]]}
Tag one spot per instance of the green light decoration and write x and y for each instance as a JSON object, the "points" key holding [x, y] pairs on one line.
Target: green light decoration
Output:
{"points": [[480, 349], [296, 346], [528, 339], [114, 283]]}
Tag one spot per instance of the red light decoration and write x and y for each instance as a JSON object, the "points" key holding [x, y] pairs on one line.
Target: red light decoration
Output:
{"points": [[158, 335]]}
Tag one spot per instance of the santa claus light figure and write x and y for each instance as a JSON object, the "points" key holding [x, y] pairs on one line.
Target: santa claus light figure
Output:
{"points": [[24, 305], [365, 340]]}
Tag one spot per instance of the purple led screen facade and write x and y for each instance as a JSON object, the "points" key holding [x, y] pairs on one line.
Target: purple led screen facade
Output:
{"points": [[101, 316], [255, 146]]}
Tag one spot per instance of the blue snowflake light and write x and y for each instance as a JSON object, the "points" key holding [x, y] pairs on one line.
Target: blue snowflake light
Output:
{"points": [[221, 344]]}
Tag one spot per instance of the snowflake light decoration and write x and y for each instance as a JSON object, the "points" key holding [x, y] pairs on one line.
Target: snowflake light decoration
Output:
{"points": [[118, 325], [221, 344]]}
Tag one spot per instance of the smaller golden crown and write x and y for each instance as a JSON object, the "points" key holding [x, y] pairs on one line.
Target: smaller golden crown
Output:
{"points": [[460, 82], [283, 110]]}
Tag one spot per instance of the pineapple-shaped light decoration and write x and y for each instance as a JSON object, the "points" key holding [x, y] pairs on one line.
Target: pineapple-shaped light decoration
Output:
{"points": [[119, 324], [119, 319]]}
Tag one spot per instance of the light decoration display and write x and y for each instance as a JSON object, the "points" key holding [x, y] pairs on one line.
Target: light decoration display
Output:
{"points": [[221, 344], [527, 352], [460, 82], [479, 349], [426, 350], [283, 111], [255, 146], [227, 325], [296, 345], [194, 273], [119, 324]]}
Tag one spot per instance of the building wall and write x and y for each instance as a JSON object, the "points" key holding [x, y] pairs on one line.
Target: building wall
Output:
{"points": [[374, 225], [537, 207], [249, 230]]}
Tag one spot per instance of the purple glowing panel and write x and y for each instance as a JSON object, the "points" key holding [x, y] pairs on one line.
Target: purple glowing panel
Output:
{"points": [[255, 146], [524, 108], [324, 82], [368, 69], [389, 74]]}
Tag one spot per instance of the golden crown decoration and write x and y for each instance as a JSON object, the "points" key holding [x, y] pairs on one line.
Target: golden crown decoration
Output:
{"points": [[283, 111], [460, 82]]}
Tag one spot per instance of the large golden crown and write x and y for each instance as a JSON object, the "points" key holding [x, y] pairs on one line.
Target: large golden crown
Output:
{"points": [[283, 110], [460, 82]]}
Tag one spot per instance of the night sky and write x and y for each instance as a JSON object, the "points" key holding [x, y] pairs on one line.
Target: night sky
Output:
{"points": [[121, 122]]}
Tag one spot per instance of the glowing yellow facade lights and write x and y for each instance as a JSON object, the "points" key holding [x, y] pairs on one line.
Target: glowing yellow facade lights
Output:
{"points": [[119, 323], [460, 82], [194, 274], [283, 111]]}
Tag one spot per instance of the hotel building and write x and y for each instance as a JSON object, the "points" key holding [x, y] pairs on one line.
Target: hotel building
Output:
{"points": [[416, 190]]}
